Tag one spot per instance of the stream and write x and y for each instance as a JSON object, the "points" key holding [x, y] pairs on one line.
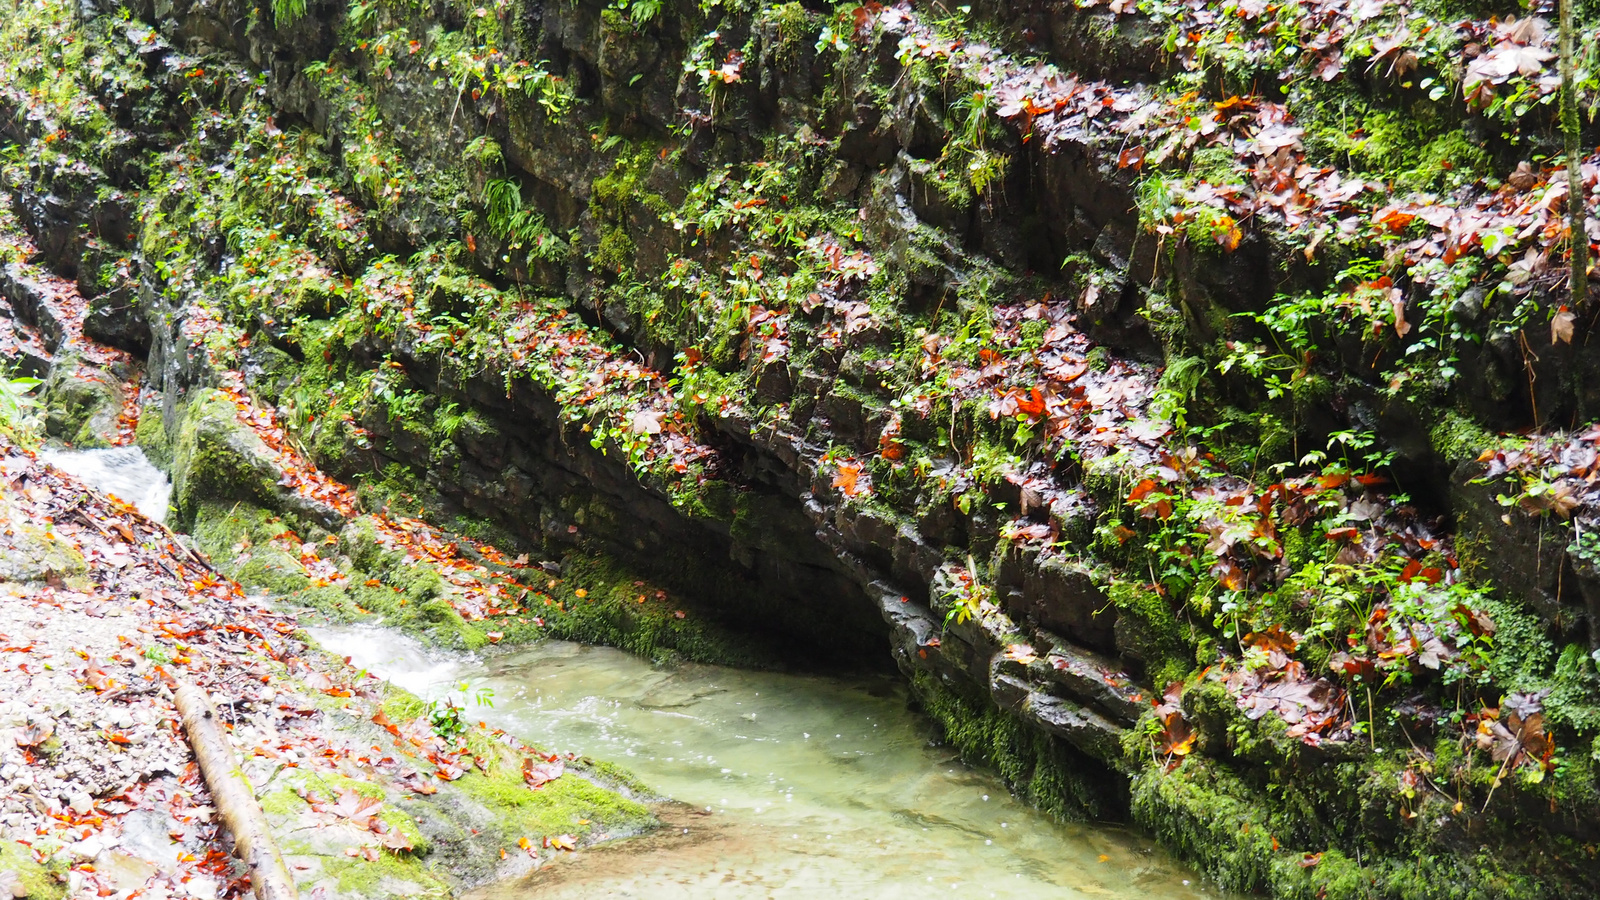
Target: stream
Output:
{"points": [[794, 786], [785, 786], [122, 472]]}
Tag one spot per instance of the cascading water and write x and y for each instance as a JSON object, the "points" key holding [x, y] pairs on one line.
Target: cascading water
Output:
{"points": [[123, 472]]}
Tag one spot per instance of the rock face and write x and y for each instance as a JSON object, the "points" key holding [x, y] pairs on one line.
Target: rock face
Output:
{"points": [[485, 228]]}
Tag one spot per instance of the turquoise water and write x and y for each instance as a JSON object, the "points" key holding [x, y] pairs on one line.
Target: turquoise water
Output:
{"points": [[791, 786]]}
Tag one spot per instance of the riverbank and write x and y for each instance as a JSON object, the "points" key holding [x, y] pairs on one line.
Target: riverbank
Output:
{"points": [[369, 792]]}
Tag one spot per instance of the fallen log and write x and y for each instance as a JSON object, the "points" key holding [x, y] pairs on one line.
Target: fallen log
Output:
{"points": [[233, 795]]}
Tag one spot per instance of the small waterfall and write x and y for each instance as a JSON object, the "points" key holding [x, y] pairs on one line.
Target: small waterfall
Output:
{"points": [[124, 472]]}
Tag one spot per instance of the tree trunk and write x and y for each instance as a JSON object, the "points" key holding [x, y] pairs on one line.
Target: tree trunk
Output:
{"points": [[233, 796]]}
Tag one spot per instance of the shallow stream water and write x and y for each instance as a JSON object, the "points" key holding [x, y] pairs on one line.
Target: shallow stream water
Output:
{"points": [[790, 786]]}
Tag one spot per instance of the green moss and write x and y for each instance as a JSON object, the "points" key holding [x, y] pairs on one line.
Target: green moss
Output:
{"points": [[1048, 773], [389, 876], [151, 437], [1210, 818], [401, 705], [611, 613], [36, 880], [214, 459], [1456, 438], [80, 404], [1147, 625], [283, 803], [570, 804]]}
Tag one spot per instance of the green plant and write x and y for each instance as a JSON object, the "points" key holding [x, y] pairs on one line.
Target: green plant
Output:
{"points": [[287, 12], [18, 408], [972, 595], [520, 226], [638, 11], [445, 716]]}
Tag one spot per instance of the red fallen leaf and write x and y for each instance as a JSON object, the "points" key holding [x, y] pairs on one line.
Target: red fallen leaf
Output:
{"points": [[1031, 405], [1229, 575], [1392, 218], [1328, 482], [393, 838], [1228, 234], [1310, 860], [1021, 653], [448, 771], [1412, 569], [119, 738], [1476, 621], [848, 479], [1415, 570], [1161, 507], [1369, 480], [416, 784], [1358, 667], [495, 636], [1274, 638], [539, 774], [99, 679], [1344, 534], [359, 809], [1132, 157], [35, 733]]}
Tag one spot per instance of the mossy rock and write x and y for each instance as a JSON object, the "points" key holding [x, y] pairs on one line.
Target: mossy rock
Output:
{"points": [[215, 459], [30, 553], [36, 882], [1210, 818], [81, 405], [1049, 774], [1456, 439], [570, 804], [1148, 632], [151, 437]]}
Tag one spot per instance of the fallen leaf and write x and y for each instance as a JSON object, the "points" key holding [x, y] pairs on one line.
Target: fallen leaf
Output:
{"points": [[1561, 326]]}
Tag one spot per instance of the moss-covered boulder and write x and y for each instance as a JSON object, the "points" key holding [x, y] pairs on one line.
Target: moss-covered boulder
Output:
{"points": [[31, 553], [26, 876], [81, 404], [214, 458]]}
